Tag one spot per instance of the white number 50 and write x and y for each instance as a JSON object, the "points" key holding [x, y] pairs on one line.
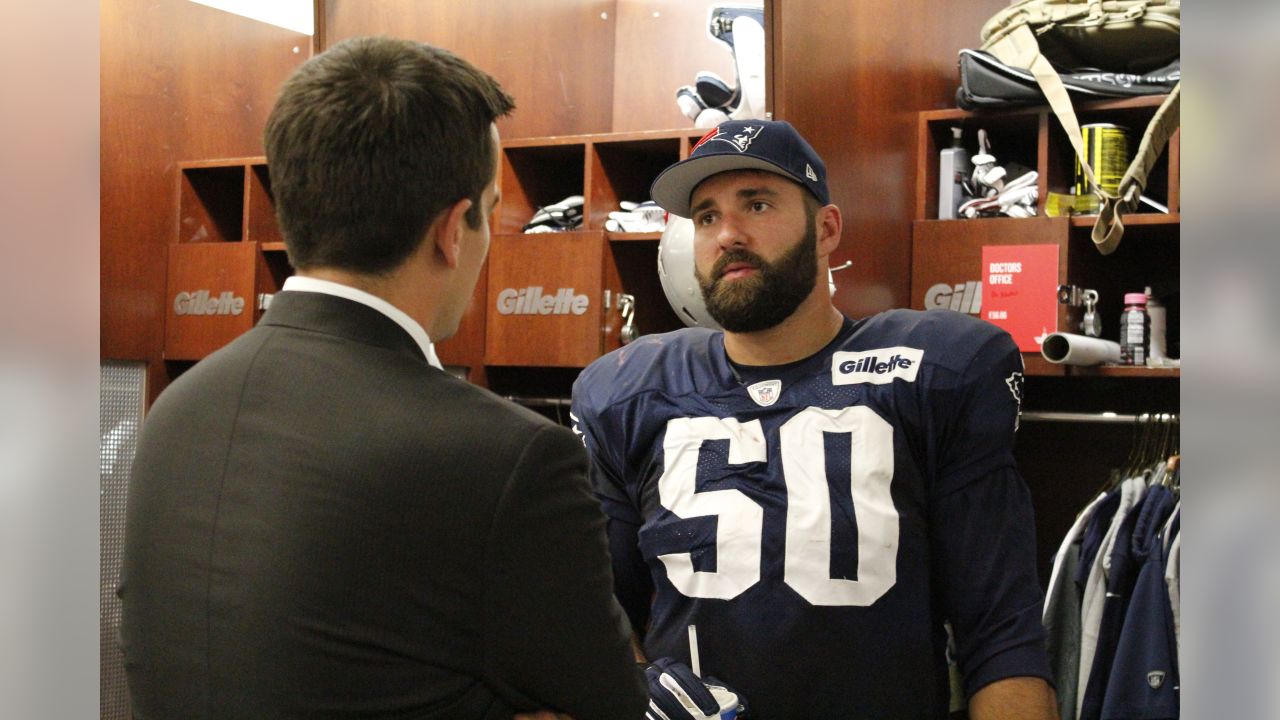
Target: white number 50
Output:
{"points": [[808, 555]]}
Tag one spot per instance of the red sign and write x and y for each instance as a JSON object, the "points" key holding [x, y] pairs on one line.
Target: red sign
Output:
{"points": [[1020, 291]]}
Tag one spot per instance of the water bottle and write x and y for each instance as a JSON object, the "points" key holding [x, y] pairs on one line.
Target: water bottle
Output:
{"points": [[1157, 356], [953, 168], [1135, 330]]}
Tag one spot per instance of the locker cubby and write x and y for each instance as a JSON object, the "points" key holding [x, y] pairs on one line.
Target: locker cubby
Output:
{"points": [[624, 170], [536, 175], [1032, 136], [1133, 115], [637, 268], [1014, 138], [210, 202], [260, 219]]}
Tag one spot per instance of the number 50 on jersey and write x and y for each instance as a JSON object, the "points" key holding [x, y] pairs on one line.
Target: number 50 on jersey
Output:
{"points": [[808, 531]]}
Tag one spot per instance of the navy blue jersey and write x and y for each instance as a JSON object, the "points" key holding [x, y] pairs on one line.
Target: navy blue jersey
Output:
{"points": [[818, 522]]}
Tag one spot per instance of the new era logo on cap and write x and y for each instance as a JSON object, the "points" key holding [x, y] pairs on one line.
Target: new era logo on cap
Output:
{"points": [[771, 146]]}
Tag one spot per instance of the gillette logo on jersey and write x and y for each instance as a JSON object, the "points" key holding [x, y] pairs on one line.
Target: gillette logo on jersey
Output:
{"points": [[876, 367]]}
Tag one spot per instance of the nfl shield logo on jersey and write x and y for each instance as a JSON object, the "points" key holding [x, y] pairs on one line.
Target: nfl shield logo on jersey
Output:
{"points": [[1155, 679], [765, 393]]}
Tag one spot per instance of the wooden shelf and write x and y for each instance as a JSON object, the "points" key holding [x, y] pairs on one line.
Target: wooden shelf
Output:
{"points": [[633, 237], [1133, 220], [1036, 366], [1130, 220], [272, 246], [1134, 103], [674, 134], [1125, 371]]}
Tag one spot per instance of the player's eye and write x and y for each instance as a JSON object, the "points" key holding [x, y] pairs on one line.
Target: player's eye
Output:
{"points": [[759, 206], [705, 218]]}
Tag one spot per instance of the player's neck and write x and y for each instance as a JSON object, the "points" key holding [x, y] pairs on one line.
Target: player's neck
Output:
{"points": [[809, 329]]}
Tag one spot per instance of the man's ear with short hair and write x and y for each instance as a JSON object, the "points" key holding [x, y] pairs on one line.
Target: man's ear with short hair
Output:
{"points": [[446, 232]]}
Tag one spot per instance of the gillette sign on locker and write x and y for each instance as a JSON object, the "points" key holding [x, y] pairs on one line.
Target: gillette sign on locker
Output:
{"points": [[202, 302], [532, 301], [965, 297]]}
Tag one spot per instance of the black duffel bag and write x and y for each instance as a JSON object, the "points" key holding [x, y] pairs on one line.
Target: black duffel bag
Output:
{"points": [[985, 82]]}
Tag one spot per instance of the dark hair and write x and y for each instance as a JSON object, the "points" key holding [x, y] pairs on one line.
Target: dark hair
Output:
{"points": [[369, 141]]}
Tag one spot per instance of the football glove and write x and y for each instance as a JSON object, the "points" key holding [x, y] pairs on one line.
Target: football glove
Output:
{"points": [[675, 693]]}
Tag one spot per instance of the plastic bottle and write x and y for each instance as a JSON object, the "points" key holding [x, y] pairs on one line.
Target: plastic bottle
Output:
{"points": [[1135, 330], [953, 168], [1157, 355]]}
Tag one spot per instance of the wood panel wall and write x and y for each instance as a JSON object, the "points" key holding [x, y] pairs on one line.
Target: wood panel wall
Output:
{"points": [[661, 45], [851, 75], [574, 66], [180, 81], [554, 56]]}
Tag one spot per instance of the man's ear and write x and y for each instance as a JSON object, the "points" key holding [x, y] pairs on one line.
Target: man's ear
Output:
{"points": [[447, 231], [830, 224]]}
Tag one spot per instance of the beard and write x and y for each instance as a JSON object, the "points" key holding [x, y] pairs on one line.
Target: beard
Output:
{"points": [[763, 300]]}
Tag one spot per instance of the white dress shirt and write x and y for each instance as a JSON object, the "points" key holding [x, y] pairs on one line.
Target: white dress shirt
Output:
{"points": [[297, 283]]}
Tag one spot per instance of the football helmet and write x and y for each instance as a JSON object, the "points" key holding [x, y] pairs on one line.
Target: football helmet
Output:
{"points": [[675, 270]]}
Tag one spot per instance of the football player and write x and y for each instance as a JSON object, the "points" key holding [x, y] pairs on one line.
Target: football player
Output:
{"points": [[819, 496]]}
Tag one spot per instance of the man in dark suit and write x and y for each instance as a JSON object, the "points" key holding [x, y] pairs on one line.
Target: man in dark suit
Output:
{"points": [[322, 523]]}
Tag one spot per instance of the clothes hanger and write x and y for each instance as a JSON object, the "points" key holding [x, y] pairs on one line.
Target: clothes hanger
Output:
{"points": [[1138, 447]]}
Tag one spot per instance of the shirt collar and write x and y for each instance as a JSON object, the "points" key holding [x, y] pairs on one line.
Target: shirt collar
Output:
{"points": [[328, 287]]}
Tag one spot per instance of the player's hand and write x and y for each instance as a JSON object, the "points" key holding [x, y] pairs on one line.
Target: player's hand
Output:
{"points": [[675, 693]]}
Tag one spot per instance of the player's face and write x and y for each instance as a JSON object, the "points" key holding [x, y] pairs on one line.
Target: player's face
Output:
{"points": [[755, 248]]}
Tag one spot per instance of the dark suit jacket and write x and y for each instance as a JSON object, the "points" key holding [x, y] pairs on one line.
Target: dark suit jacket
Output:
{"points": [[322, 525]]}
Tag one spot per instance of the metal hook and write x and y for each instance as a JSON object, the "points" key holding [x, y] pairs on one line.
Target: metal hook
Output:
{"points": [[627, 308]]}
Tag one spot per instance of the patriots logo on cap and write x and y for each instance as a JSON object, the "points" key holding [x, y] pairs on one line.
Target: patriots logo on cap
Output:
{"points": [[740, 140]]}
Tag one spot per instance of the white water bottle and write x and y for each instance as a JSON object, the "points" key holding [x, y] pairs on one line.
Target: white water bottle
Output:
{"points": [[953, 168], [1157, 355]]}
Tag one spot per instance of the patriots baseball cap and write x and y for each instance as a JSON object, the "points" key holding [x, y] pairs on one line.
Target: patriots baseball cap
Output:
{"points": [[769, 145]]}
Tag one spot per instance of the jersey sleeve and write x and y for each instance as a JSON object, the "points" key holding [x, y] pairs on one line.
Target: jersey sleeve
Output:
{"points": [[633, 585], [983, 527], [978, 422], [605, 440], [984, 543]]}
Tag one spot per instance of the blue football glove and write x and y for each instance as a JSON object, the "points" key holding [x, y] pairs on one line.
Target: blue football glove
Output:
{"points": [[675, 693]]}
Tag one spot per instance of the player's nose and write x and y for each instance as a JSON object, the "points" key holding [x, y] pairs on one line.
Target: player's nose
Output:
{"points": [[730, 232]]}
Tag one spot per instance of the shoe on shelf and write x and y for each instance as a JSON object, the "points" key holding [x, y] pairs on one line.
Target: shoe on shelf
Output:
{"points": [[645, 217], [559, 216]]}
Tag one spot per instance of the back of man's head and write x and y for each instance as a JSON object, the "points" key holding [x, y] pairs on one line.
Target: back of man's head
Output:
{"points": [[372, 139]]}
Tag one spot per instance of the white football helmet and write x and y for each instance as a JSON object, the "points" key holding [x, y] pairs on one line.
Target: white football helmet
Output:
{"points": [[675, 270]]}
